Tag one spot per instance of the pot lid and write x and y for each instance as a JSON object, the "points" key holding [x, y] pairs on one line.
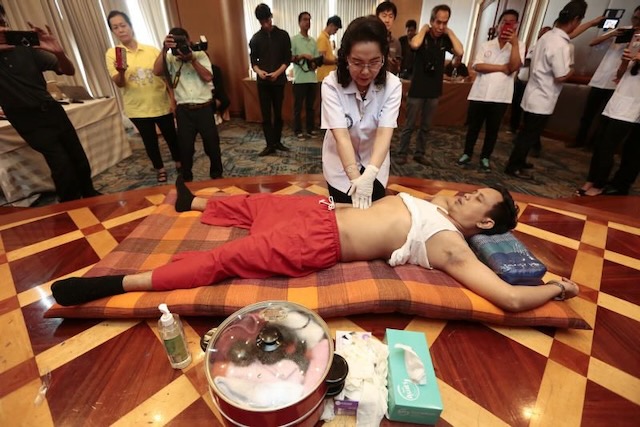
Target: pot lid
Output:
{"points": [[268, 355]]}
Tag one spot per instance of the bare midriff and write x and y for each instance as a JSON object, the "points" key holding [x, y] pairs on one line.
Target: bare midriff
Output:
{"points": [[373, 233]]}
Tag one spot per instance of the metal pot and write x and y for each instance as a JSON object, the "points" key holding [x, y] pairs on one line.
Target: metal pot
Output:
{"points": [[269, 364]]}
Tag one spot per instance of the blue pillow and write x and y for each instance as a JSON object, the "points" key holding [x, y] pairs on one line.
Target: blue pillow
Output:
{"points": [[509, 258]]}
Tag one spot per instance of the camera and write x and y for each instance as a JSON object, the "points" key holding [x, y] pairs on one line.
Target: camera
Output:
{"points": [[202, 44], [314, 63], [184, 48], [22, 38]]}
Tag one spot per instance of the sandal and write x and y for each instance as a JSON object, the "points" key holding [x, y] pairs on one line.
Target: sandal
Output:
{"points": [[162, 176]]}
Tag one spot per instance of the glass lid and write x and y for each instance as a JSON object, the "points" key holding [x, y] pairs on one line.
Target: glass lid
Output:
{"points": [[268, 355]]}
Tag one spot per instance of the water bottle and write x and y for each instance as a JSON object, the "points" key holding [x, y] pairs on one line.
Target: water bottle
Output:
{"points": [[454, 74]]}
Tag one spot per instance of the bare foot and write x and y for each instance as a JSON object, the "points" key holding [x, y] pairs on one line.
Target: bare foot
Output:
{"points": [[593, 191]]}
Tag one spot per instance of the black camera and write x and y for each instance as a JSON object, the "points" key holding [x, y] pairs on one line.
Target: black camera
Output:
{"points": [[314, 63], [429, 67], [22, 38], [202, 45], [184, 48]]}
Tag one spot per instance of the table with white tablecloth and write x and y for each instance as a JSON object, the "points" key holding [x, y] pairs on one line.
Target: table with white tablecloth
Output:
{"points": [[24, 172]]}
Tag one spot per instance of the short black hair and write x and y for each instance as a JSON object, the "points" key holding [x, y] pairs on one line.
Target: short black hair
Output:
{"points": [[118, 13], [572, 10], [504, 214], [178, 31], [302, 14], [386, 6], [263, 12], [362, 29], [411, 23], [510, 12], [439, 8]]}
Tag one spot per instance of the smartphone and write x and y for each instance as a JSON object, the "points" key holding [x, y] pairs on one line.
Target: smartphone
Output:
{"points": [[612, 17], [626, 36], [22, 38], [509, 26], [121, 57], [634, 45]]}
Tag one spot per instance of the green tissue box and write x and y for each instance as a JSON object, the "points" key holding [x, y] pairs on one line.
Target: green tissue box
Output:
{"points": [[410, 402]]}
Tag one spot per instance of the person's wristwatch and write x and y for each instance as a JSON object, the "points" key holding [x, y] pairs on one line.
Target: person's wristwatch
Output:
{"points": [[562, 295]]}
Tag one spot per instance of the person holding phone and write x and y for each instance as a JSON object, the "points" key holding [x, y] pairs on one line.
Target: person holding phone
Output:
{"points": [[602, 82], [38, 118], [621, 125], [144, 95], [492, 90]]}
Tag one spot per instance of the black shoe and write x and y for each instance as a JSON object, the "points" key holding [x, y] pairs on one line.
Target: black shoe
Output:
{"points": [[520, 173], [267, 151], [528, 166], [421, 159], [187, 175], [280, 146], [574, 144], [92, 193], [610, 190]]}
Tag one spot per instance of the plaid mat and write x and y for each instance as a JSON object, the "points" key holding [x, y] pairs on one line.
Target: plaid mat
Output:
{"points": [[345, 289]]}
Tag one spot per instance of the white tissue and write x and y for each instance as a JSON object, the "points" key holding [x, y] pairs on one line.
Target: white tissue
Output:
{"points": [[413, 364], [367, 378]]}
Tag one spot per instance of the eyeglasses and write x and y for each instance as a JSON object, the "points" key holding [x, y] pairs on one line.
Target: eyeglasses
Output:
{"points": [[373, 66]]}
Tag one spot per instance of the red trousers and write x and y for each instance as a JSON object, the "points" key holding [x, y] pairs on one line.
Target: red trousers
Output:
{"points": [[289, 236]]}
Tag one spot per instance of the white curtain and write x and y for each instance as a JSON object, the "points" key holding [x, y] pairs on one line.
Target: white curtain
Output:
{"points": [[87, 22], [155, 19], [287, 12], [348, 10]]}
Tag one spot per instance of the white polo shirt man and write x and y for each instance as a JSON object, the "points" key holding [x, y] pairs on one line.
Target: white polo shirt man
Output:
{"points": [[343, 108], [552, 58]]}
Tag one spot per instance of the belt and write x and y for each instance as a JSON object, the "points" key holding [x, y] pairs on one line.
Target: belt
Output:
{"points": [[196, 106]]}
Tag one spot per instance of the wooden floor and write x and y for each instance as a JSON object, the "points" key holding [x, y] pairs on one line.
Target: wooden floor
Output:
{"points": [[106, 372]]}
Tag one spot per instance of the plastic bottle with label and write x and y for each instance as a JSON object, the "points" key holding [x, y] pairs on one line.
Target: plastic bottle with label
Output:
{"points": [[172, 334]]}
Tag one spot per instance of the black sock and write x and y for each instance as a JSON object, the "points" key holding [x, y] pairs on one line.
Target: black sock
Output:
{"points": [[185, 196], [78, 290]]}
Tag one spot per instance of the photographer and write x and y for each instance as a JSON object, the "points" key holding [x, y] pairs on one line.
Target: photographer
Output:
{"points": [[188, 70], [430, 43], [305, 61], [36, 116]]}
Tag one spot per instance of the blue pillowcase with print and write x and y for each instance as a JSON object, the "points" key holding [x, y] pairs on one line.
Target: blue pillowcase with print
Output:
{"points": [[509, 258]]}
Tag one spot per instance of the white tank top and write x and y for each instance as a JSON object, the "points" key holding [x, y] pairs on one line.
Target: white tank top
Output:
{"points": [[425, 222]]}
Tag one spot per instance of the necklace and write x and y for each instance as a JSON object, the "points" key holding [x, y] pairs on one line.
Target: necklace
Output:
{"points": [[363, 93]]}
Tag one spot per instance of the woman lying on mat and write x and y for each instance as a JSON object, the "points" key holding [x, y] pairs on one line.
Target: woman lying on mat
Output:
{"points": [[297, 235]]}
